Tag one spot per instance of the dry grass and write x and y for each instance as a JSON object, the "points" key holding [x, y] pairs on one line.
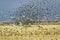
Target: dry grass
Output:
{"points": [[33, 32]]}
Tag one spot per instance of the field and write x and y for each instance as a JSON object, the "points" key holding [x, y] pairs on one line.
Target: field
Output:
{"points": [[29, 32]]}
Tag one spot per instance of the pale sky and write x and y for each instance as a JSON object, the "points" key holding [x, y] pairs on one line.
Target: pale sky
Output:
{"points": [[6, 5]]}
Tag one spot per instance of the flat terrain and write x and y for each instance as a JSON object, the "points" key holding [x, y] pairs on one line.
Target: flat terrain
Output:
{"points": [[29, 32]]}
